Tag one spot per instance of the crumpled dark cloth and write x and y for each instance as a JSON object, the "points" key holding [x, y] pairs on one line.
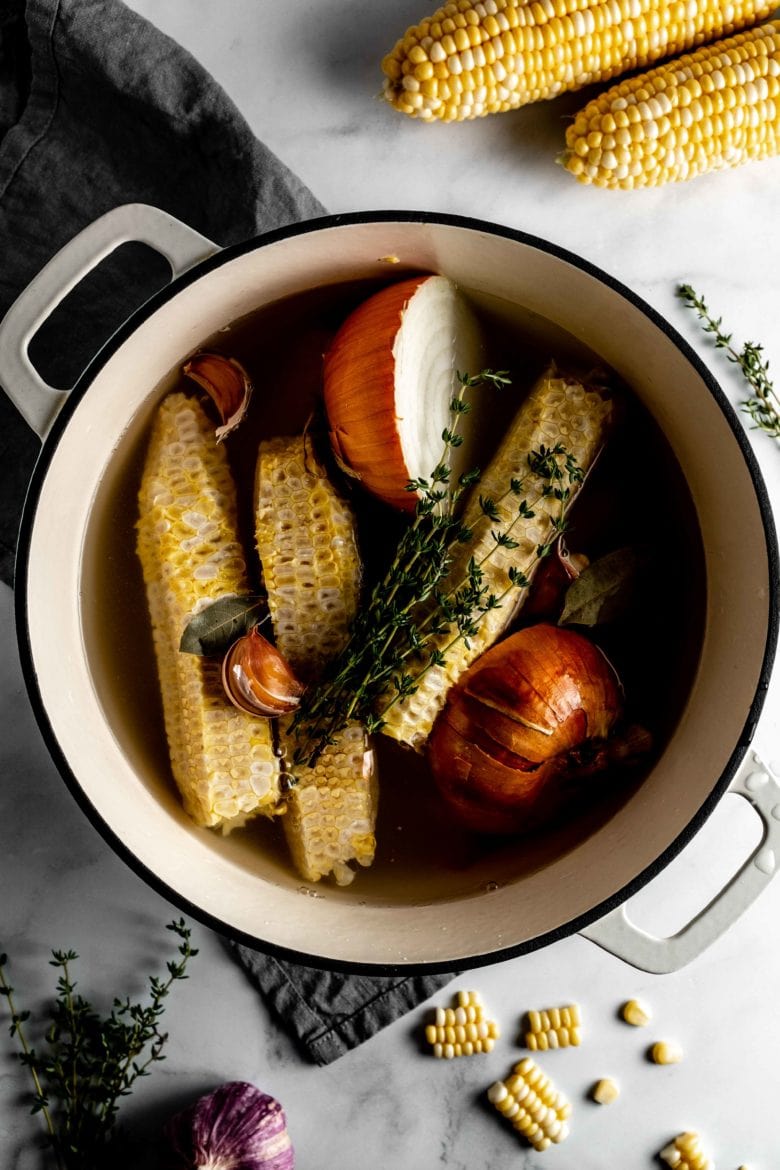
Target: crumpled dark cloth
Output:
{"points": [[333, 1012], [98, 108]]}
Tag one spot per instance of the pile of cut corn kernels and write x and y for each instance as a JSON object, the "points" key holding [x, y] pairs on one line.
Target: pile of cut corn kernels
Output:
{"points": [[527, 1097]]}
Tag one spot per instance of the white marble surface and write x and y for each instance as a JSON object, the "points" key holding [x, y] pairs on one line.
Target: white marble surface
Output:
{"points": [[305, 75]]}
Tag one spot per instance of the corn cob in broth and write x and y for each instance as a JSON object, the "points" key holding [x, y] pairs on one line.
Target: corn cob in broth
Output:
{"points": [[306, 540], [223, 760], [477, 57], [559, 409], [706, 111]]}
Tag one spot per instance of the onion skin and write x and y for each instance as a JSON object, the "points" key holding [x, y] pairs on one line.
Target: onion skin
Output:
{"points": [[237, 1127], [528, 715], [359, 383]]}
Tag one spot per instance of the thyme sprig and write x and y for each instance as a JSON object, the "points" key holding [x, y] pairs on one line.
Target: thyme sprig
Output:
{"points": [[416, 615], [89, 1064], [763, 405]]}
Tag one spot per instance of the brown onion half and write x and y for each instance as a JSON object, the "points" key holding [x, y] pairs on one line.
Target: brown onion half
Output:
{"points": [[389, 377], [519, 724]]}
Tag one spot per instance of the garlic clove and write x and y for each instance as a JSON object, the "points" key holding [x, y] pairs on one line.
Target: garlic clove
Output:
{"points": [[228, 385], [258, 680], [551, 580]]}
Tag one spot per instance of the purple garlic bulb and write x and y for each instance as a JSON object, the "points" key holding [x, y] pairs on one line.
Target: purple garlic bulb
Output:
{"points": [[234, 1128]]}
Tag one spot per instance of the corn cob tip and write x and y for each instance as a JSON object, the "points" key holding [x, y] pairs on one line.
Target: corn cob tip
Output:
{"points": [[709, 110]]}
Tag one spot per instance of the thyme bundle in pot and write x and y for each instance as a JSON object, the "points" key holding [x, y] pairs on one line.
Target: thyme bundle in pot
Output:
{"points": [[457, 578]]}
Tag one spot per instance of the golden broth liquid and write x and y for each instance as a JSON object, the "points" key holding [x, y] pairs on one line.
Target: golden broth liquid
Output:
{"points": [[636, 494]]}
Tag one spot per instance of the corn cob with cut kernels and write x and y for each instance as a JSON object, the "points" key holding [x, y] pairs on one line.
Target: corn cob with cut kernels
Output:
{"points": [[707, 111], [223, 761], [561, 409], [531, 1103], [477, 57], [306, 541]]}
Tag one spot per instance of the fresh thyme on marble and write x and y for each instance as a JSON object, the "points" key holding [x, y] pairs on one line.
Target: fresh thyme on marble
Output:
{"points": [[763, 406], [90, 1063], [389, 650]]}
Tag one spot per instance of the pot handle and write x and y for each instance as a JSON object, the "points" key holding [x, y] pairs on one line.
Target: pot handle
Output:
{"points": [[618, 935], [37, 402]]}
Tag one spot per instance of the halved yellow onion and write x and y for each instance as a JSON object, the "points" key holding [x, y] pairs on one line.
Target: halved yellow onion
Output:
{"points": [[389, 377]]}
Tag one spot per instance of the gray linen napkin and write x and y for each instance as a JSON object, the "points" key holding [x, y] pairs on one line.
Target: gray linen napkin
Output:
{"points": [[98, 108]]}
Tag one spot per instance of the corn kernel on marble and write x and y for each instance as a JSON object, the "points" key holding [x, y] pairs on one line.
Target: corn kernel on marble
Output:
{"points": [[685, 1152], [636, 1013]]}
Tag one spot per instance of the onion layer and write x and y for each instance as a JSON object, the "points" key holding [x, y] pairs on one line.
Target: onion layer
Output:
{"points": [[528, 715]]}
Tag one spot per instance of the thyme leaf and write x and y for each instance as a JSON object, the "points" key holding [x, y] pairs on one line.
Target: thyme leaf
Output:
{"points": [[763, 406]]}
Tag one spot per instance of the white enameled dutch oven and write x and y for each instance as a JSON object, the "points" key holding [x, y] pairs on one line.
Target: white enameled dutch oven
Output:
{"points": [[488, 908]]}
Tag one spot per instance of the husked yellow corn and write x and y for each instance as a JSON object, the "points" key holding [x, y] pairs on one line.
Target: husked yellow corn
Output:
{"points": [[477, 57], [558, 409], [706, 111], [306, 541], [686, 1153], [554, 1028], [463, 1030], [530, 1102], [223, 760]]}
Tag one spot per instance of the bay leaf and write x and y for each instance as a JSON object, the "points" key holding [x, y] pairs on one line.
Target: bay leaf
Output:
{"points": [[215, 628], [606, 589]]}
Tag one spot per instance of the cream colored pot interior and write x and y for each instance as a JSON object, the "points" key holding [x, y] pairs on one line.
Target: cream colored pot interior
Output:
{"points": [[485, 904]]}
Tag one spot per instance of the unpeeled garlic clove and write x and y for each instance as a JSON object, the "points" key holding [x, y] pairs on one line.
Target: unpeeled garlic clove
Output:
{"points": [[551, 580], [226, 382], [258, 680]]}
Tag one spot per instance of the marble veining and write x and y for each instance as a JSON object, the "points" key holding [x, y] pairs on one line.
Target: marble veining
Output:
{"points": [[306, 77]]}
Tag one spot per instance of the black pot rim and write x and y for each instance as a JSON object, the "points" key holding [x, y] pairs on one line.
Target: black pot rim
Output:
{"points": [[22, 564]]}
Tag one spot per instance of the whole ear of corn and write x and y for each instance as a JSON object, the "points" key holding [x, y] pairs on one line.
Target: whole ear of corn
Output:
{"points": [[223, 761], [558, 409], [712, 109], [306, 540], [476, 57]]}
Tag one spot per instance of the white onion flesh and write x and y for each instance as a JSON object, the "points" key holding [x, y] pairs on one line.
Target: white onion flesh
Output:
{"points": [[439, 338]]}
